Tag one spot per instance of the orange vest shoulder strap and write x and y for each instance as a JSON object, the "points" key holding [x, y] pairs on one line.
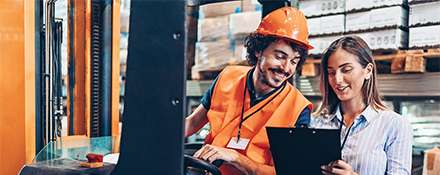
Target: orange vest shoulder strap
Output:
{"points": [[234, 72]]}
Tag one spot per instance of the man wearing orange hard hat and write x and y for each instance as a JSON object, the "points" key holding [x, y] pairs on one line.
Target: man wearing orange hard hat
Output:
{"points": [[243, 100]]}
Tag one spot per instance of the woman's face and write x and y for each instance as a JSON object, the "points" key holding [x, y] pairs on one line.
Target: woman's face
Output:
{"points": [[346, 75]]}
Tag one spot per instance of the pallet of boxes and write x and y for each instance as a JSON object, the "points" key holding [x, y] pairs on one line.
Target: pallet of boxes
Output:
{"points": [[382, 24], [386, 31], [405, 39], [325, 20], [424, 30], [220, 34], [424, 42]]}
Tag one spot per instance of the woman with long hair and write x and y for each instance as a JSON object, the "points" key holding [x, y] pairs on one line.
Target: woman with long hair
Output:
{"points": [[374, 139]]}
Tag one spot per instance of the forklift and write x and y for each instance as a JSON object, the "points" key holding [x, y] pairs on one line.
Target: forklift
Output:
{"points": [[152, 139]]}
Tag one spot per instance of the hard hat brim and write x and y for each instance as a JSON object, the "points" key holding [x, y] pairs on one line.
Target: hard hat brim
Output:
{"points": [[299, 43]]}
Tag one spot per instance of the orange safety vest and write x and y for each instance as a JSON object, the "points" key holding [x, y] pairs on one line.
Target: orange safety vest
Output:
{"points": [[225, 110]]}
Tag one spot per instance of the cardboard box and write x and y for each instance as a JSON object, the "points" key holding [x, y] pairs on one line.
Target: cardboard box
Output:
{"points": [[321, 43], [310, 8], [250, 5], [386, 39], [213, 53], [332, 24], [431, 163], [389, 16], [321, 7], [326, 41], [368, 4], [415, 1], [219, 9], [314, 25], [240, 52], [357, 4], [125, 21], [424, 13], [241, 24], [357, 21], [211, 29], [365, 36], [376, 18], [381, 3], [424, 36]]}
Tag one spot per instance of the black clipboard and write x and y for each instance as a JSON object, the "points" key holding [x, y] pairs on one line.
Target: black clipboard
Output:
{"points": [[303, 150]]}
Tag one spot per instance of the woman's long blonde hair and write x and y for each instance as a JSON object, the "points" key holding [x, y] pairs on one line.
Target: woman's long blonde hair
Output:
{"points": [[358, 47]]}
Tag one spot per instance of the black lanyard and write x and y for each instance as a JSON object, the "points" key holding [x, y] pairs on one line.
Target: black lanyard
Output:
{"points": [[340, 131], [242, 119]]}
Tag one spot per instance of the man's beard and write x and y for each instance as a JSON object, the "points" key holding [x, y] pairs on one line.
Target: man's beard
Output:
{"points": [[263, 79]]}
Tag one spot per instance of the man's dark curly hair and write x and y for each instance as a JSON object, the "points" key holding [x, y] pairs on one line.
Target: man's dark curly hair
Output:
{"points": [[255, 43]]}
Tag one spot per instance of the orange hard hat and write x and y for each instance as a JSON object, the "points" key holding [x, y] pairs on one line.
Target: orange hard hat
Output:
{"points": [[286, 22]]}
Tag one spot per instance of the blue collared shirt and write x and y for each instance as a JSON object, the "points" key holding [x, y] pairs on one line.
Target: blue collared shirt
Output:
{"points": [[379, 142]]}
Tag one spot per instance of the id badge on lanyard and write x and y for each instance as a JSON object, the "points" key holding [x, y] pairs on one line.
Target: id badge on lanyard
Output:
{"points": [[236, 143]]}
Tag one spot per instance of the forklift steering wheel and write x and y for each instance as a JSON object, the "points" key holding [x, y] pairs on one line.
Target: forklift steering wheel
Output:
{"points": [[190, 161], [200, 164]]}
